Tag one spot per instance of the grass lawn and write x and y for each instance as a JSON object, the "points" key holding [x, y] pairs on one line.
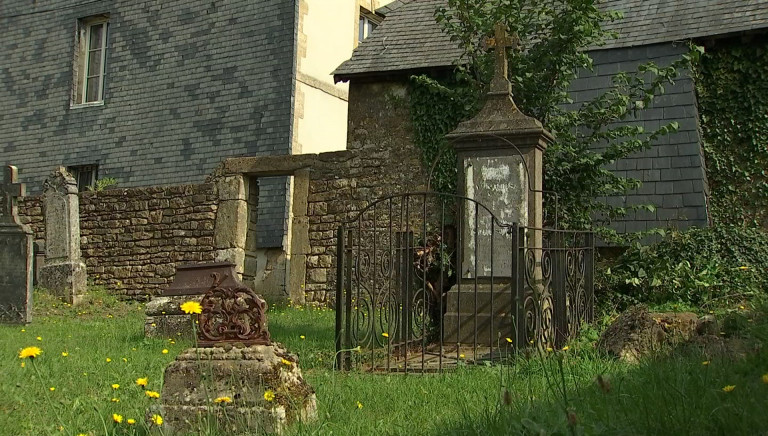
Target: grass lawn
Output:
{"points": [[86, 350]]}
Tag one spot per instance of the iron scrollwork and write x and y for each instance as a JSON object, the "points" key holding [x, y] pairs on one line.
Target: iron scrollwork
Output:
{"points": [[232, 314]]}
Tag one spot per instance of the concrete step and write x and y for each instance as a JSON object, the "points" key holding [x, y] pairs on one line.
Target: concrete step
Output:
{"points": [[491, 330], [479, 300]]}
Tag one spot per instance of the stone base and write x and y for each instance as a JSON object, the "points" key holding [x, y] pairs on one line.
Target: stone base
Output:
{"points": [[463, 317], [165, 318], [67, 280], [200, 375]]}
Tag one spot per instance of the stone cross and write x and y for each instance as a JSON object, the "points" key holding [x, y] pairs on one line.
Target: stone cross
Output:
{"points": [[10, 191], [500, 42]]}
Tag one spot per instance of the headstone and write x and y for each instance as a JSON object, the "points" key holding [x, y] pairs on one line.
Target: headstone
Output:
{"points": [[64, 272], [16, 255], [500, 162]]}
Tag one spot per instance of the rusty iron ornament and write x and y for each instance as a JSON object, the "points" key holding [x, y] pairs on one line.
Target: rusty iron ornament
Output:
{"points": [[232, 315]]}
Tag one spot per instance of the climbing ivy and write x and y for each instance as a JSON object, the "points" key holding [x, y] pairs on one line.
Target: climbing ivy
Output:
{"points": [[732, 87]]}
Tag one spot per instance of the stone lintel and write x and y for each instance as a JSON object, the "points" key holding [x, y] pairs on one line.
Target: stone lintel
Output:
{"points": [[285, 165]]}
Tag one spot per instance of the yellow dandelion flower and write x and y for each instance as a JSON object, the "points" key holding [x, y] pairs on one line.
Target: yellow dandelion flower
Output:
{"points": [[39, 338], [359, 405], [385, 334], [115, 400], [222, 400], [764, 378], [509, 340], [356, 349], [23, 330], [744, 268], [191, 307], [125, 359], [117, 418], [269, 395], [82, 434], [549, 349], [152, 394], [30, 352], [165, 351], [285, 362], [705, 363], [302, 337], [108, 359], [51, 389], [64, 354], [142, 381], [729, 388], [157, 419], [115, 386], [23, 364], [566, 348], [461, 356], [130, 421]]}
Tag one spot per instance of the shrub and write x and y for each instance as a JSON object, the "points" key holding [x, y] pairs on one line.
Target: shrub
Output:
{"points": [[704, 267]]}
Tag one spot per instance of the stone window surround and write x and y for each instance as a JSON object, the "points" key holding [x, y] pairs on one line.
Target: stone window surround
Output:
{"points": [[367, 22], [82, 47]]}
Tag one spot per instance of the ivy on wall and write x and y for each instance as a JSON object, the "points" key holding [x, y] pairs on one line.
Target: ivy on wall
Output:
{"points": [[732, 87], [437, 108]]}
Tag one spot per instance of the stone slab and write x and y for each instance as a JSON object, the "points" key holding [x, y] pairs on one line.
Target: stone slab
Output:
{"points": [[67, 280], [489, 312], [164, 318], [16, 268]]}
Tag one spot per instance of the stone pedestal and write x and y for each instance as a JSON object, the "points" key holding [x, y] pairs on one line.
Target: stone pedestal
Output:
{"points": [[164, 318], [198, 376], [64, 272], [491, 315]]}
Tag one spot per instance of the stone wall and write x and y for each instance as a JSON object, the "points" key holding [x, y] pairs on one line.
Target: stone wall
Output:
{"points": [[381, 160], [132, 239]]}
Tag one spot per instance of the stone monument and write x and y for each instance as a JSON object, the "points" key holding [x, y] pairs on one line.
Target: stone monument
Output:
{"points": [[64, 272], [500, 158], [237, 377], [15, 254]]}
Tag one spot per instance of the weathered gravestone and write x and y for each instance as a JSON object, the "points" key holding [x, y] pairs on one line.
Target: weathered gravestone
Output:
{"points": [[15, 254], [258, 383], [64, 272], [500, 157]]}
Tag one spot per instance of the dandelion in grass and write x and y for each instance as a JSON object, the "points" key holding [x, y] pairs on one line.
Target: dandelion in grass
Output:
{"points": [[509, 340], [52, 389], [705, 363], [764, 378], [356, 349], [115, 386], [743, 267], [23, 364], [729, 388], [125, 359], [359, 405], [30, 352], [549, 349], [117, 418], [157, 419], [566, 348], [23, 330], [461, 356], [39, 338], [108, 359], [115, 400], [385, 334], [130, 421], [269, 395], [64, 354], [220, 400], [142, 381], [191, 307], [286, 362], [165, 351], [302, 337], [152, 394]]}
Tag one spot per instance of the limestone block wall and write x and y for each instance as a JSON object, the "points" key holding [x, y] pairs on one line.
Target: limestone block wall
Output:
{"points": [[132, 239]]}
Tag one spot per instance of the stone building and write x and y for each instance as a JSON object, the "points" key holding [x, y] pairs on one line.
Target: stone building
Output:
{"points": [[159, 92], [673, 172]]}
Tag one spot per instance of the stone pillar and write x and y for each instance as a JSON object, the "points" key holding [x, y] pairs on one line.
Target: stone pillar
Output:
{"points": [[300, 248], [64, 272], [15, 254], [232, 221]]}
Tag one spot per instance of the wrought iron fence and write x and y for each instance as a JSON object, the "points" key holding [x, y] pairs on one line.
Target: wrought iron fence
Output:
{"points": [[426, 281]]}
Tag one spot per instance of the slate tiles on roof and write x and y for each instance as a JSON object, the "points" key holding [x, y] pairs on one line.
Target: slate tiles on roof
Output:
{"points": [[409, 39]]}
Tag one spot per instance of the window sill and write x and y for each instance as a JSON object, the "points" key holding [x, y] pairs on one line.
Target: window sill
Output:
{"points": [[84, 105]]}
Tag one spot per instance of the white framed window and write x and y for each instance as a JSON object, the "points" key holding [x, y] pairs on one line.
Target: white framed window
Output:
{"points": [[90, 60], [366, 25]]}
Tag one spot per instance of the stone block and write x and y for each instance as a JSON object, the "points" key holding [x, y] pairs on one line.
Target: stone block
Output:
{"points": [[16, 254], [231, 224], [67, 280], [198, 376], [232, 188]]}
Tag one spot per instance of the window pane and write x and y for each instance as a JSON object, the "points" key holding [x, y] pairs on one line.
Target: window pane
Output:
{"points": [[92, 89], [94, 63], [361, 35], [96, 36], [371, 27]]}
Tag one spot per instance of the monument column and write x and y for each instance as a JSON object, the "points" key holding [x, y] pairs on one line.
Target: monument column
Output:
{"points": [[15, 254], [64, 272]]}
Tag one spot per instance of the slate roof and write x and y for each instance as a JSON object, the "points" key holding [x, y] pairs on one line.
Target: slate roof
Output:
{"points": [[410, 39], [386, 10]]}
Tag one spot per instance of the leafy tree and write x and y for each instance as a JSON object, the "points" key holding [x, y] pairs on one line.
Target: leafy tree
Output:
{"points": [[554, 38]]}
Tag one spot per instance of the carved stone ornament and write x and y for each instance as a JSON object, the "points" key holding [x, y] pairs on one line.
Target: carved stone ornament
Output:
{"points": [[232, 314]]}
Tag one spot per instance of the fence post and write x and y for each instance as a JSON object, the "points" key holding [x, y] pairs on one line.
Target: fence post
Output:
{"points": [[589, 280], [339, 293], [518, 284], [348, 302]]}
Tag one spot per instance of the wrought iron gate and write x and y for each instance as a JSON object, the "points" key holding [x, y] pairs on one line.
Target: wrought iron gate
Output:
{"points": [[425, 281]]}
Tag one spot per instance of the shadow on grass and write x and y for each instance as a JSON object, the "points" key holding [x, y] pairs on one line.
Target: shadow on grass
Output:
{"points": [[685, 391]]}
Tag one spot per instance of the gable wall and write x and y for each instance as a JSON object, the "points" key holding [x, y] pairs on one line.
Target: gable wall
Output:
{"points": [[188, 83]]}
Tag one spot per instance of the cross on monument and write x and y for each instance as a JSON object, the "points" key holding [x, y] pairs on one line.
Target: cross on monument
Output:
{"points": [[501, 41], [10, 191]]}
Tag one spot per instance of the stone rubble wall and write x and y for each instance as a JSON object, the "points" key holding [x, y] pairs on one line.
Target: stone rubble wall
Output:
{"points": [[132, 239]]}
